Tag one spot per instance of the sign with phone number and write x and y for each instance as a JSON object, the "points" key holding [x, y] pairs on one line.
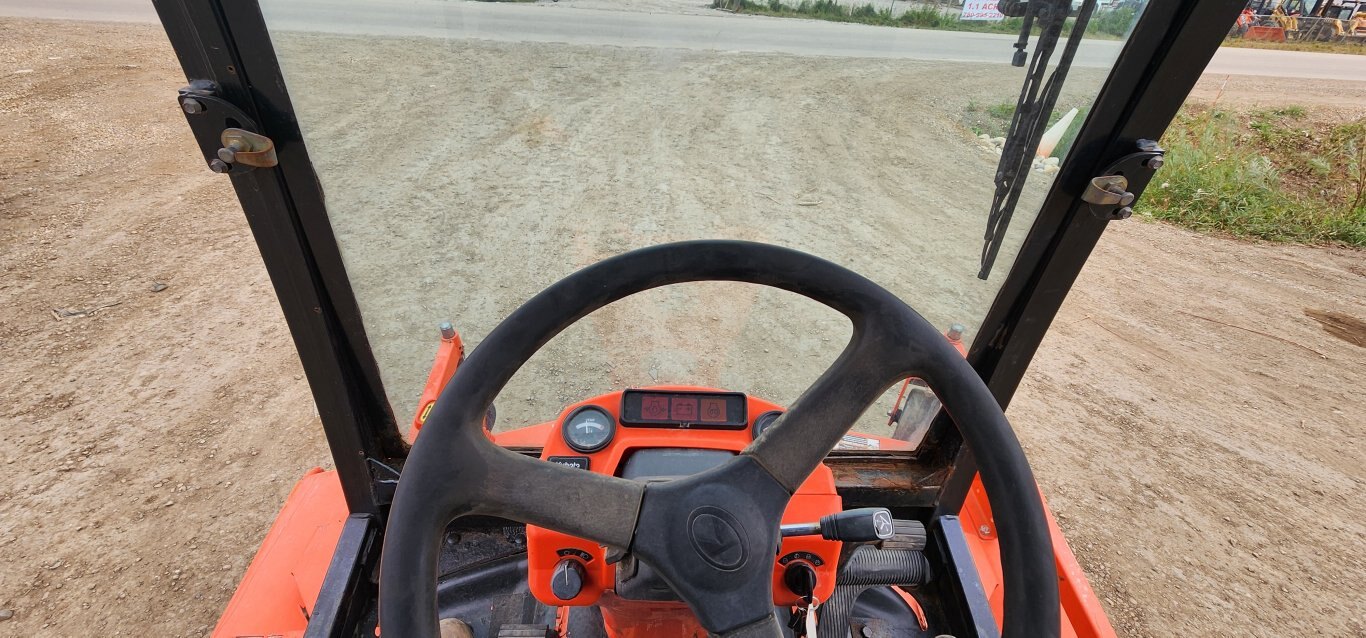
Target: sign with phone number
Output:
{"points": [[981, 10]]}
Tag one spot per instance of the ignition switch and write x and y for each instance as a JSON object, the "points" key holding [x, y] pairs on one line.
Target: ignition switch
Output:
{"points": [[567, 581], [801, 579]]}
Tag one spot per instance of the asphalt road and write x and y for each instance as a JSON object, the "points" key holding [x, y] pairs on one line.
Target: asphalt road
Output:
{"points": [[722, 32]]}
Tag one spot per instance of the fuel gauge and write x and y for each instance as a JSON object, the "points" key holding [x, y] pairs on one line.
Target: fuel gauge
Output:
{"points": [[766, 419], [589, 429]]}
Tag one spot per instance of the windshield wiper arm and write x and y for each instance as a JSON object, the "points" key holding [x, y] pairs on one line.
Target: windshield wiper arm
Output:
{"points": [[1038, 95], [1018, 9]]}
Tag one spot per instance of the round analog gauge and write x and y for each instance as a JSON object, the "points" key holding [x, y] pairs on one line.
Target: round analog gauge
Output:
{"points": [[764, 420], [589, 429]]}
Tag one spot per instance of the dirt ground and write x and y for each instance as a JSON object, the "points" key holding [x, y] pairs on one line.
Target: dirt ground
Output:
{"points": [[1346, 99], [847, 160], [1198, 435]]}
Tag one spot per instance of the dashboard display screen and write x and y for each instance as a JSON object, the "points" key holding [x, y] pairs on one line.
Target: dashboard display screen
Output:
{"points": [[695, 409]]}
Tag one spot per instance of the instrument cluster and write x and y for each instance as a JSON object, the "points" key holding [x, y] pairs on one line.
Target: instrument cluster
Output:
{"points": [[682, 431]]}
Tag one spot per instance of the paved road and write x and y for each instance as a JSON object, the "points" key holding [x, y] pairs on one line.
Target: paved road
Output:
{"points": [[98, 10], [1288, 64], [559, 23]]}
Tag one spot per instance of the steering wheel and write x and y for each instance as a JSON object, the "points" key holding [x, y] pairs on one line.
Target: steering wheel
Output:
{"points": [[711, 535]]}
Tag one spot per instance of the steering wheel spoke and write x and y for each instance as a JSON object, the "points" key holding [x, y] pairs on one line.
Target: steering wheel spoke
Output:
{"points": [[813, 425], [588, 505]]}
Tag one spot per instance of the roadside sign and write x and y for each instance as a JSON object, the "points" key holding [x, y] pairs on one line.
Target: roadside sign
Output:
{"points": [[981, 10]]}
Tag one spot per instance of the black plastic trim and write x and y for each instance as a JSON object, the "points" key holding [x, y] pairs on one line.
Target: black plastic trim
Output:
{"points": [[347, 589], [576, 462], [963, 581]]}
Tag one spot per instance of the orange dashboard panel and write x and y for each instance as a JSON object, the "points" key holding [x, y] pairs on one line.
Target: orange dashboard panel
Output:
{"points": [[601, 435]]}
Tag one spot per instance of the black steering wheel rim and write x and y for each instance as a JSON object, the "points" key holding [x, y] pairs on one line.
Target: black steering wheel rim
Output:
{"points": [[453, 470]]}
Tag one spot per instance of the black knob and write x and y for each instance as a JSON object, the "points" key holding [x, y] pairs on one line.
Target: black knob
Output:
{"points": [[800, 578], [567, 581], [864, 525]]}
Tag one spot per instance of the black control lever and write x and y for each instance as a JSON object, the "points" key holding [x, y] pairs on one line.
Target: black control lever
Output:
{"points": [[863, 525]]}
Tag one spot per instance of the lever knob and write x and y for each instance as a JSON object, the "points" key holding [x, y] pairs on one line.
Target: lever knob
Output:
{"points": [[567, 581], [863, 525]]}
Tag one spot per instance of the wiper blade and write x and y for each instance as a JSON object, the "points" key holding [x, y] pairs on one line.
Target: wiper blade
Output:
{"points": [[1038, 95]]}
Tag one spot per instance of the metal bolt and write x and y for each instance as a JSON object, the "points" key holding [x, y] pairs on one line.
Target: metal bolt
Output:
{"points": [[228, 153], [447, 330], [984, 530], [192, 106], [1124, 213], [219, 166], [1155, 162]]}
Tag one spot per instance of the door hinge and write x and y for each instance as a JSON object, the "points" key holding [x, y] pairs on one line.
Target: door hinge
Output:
{"points": [[1108, 194], [229, 138]]}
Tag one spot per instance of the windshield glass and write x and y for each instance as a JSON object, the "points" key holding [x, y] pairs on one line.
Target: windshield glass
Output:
{"points": [[473, 153]]}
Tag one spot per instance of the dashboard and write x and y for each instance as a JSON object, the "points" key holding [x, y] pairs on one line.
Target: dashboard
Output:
{"points": [[657, 434]]}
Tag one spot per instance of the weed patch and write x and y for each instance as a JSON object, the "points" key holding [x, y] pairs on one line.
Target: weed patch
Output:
{"points": [[1270, 174]]}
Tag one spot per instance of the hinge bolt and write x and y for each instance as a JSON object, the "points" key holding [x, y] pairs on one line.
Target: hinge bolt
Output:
{"points": [[1124, 213], [1155, 162], [230, 152], [219, 166], [192, 106]]}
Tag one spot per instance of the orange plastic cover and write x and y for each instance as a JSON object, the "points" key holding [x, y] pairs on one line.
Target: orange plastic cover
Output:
{"points": [[277, 593], [1082, 614]]}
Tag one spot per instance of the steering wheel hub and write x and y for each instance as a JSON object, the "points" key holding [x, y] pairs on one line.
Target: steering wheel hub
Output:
{"points": [[717, 537]]}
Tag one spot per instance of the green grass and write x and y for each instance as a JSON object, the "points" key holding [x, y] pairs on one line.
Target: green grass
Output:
{"points": [[1003, 111], [1106, 24], [1267, 174]]}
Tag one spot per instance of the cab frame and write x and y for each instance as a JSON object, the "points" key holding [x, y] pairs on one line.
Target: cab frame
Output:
{"points": [[226, 42]]}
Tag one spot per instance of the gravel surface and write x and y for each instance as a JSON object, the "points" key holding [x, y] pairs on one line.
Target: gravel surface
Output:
{"points": [[450, 155]]}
